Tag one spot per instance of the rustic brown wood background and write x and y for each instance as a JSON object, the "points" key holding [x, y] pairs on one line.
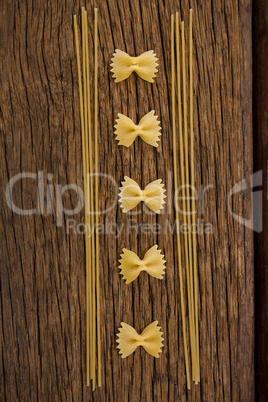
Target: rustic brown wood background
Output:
{"points": [[42, 277]]}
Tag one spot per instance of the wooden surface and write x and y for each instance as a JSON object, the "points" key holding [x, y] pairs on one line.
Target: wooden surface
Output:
{"points": [[260, 67], [42, 278]]}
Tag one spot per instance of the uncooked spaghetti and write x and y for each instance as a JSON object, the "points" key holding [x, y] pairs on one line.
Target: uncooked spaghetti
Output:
{"points": [[176, 207], [185, 124], [91, 198], [195, 279], [187, 179], [97, 189]]}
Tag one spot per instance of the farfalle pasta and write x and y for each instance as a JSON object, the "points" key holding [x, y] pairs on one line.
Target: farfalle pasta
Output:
{"points": [[131, 265], [148, 129], [131, 195], [144, 65], [150, 339]]}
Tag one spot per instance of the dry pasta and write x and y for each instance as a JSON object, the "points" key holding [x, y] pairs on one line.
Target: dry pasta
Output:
{"points": [[131, 195], [131, 265], [144, 65], [148, 129], [150, 339]]}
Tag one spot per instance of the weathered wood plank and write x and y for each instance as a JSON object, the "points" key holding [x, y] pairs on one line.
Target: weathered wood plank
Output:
{"points": [[42, 274]]}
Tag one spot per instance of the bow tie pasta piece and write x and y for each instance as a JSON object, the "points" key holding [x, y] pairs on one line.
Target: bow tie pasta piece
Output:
{"points": [[144, 65], [148, 129], [131, 265], [131, 195], [150, 339]]}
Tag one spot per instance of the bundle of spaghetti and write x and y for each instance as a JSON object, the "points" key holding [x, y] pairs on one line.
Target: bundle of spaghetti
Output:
{"points": [[91, 198], [186, 205], [187, 182], [176, 207]]}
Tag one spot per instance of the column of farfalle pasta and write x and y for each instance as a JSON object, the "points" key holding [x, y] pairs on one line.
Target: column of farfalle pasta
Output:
{"points": [[126, 131]]}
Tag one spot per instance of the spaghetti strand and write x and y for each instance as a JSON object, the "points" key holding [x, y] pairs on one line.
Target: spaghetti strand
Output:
{"points": [[88, 273], [191, 317], [90, 190], [176, 209], [97, 190], [87, 139], [193, 191], [191, 306], [82, 122]]}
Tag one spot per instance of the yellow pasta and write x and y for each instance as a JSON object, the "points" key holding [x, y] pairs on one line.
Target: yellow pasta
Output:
{"points": [[131, 195], [148, 129], [144, 65], [91, 202], [150, 339], [131, 265]]}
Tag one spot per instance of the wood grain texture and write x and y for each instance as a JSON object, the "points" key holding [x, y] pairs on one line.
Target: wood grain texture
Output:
{"points": [[42, 278]]}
